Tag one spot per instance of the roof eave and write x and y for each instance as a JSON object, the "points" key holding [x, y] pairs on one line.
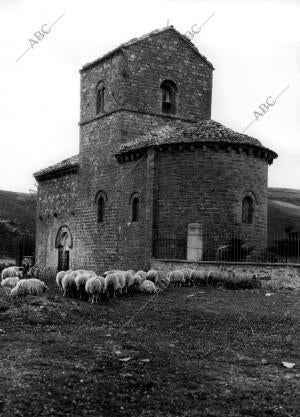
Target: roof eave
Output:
{"points": [[134, 153], [40, 175]]}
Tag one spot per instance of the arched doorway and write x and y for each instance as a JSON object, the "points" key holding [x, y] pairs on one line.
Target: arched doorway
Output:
{"points": [[63, 242]]}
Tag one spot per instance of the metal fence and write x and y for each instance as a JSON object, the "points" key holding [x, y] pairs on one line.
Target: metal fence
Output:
{"points": [[232, 248]]}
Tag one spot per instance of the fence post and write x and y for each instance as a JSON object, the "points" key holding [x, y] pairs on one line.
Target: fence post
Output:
{"points": [[195, 242]]}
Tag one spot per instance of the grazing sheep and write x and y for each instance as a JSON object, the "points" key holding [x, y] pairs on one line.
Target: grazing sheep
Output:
{"points": [[81, 280], [80, 271], [199, 277], [129, 280], [112, 284], [94, 287], [152, 275], [215, 277], [102, 279], [59, 277], [31, 286], [163, 280], [84, 272], [10, 282], [122, 280], [147, 287], [137, 280], [90, 272], [142, 274], [68, 284], [177, 278], [112, 271], [11, 271], [187, 276]]}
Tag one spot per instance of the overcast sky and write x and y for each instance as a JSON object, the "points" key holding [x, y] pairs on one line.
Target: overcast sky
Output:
{"points": [[253, 45]]}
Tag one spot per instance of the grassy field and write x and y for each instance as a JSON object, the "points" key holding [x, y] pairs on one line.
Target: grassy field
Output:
{"points": [[186, 352]]}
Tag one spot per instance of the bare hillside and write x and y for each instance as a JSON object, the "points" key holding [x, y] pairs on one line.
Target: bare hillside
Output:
{"points": [[283, 210], [17, 223]]}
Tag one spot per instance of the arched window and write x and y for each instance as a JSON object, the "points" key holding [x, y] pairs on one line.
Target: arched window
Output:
{"points": [[101, 208], [135, 209], [100, 200], [168, 97], [100, 98], [247, 210]]}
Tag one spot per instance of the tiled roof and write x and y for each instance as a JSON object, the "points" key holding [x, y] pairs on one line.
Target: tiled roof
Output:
{"points": [[64, 165], [202, 131], [142, 38]]}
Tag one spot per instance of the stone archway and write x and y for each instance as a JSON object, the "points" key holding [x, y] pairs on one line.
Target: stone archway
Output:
{"points": [[63, 242]]}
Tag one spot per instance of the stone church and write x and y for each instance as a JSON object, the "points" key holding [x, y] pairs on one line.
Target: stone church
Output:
{"points": [[152, 168]]}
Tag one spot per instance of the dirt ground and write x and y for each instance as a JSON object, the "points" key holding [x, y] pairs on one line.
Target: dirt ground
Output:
{"points": [[186, 352]]}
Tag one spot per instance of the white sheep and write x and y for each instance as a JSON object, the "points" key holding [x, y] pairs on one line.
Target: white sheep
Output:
{"points": [[137, 280], [129, 280], [80, 271], [163, 280], [31, 286], [80, 280], [122, 280], [10, 282], [187, 277], [94, 287], [215, 276], [84, 271], [69, 285], [11, 271], [152, 275], [199, 277], [112, 284], [142, 274], [147, 287], [88, 271], [111, 271], [177, 278], [59, 277]]}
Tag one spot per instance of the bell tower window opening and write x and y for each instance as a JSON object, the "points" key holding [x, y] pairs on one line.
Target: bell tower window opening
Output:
{"points": [[168, 97]]}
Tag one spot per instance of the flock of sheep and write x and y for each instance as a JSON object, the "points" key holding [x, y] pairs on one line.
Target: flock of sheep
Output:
{"points": [[12, 278], [87, 285]]}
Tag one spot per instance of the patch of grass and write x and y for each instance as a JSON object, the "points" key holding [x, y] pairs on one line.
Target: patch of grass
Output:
{"points": [[214, 353]]}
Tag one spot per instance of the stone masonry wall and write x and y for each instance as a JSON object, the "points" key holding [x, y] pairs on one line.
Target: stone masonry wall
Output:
{"points": [[207, 187], [167, 57], [132, 79], [56, 206]]}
